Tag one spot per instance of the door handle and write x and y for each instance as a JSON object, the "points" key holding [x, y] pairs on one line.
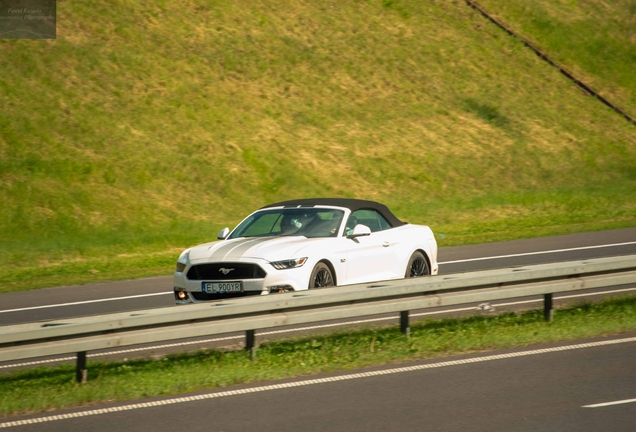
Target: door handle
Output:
{"points": [[386, 244]]}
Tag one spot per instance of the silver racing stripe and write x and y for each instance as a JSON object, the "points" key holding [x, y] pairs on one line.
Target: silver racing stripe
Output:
{"points": [[239, 249]]}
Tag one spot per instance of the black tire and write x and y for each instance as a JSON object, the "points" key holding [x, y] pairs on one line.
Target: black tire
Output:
{"points": [[321, 276], [417, 266]]}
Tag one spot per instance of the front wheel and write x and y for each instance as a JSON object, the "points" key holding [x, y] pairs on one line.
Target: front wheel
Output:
{"points": [[321, 276], [417, 266]]}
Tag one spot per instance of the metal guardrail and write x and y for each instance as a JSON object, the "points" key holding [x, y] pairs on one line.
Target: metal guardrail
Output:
{"points": [[79, 335]]}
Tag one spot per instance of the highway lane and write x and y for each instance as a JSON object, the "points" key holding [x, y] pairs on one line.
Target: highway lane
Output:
{"points": [[583, 386], [107, 297], [110, 297]]}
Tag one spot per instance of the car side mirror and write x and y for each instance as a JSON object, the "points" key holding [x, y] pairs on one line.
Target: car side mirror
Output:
{"points": [[222, 235], [360, 231]]}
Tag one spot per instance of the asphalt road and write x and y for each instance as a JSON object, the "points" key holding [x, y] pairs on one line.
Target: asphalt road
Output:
{"points": [[580, 387], [537, 390], [64, 302]]}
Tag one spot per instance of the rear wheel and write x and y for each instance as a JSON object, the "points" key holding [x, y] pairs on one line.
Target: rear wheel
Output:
{"points": [[417, 266], [321, 276]]}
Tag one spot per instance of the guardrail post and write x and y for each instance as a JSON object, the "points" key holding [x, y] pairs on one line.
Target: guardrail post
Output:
{"points": [[250, 343], [548, 313], [81, 373], [404, 323]]}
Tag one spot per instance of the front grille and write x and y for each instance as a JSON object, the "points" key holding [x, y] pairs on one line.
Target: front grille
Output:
{"points": [[219, 271]]}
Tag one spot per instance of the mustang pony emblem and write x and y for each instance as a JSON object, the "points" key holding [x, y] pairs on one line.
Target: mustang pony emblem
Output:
{"points": [[225, 270]]}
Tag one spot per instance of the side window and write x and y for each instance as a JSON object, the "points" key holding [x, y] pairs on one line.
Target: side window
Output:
{"points": [[371, 218], [383, 222]]}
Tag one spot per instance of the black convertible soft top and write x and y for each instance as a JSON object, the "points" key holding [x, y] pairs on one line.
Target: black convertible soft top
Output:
{"points": [[351, 204]]}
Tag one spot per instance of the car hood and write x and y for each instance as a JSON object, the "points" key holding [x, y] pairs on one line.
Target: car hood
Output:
{"points": [[269, 249]]}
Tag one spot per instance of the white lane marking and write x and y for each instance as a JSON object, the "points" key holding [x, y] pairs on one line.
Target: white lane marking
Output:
{"points": [[441, 263], [309, 382], [539, 253], [626, 401], [316, 327], [85, 302]]}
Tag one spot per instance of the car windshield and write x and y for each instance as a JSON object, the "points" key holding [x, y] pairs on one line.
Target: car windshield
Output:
{"points": [[308, 222]]}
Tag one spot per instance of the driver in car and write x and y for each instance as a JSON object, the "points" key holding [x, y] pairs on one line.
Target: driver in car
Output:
{"points": [[294, 224]]}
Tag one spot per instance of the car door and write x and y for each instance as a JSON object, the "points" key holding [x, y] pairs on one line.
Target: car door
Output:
{"points": [[371, 257]]}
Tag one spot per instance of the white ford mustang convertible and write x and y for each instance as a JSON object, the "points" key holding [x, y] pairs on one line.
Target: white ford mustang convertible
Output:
{"points": [[305, 244]]}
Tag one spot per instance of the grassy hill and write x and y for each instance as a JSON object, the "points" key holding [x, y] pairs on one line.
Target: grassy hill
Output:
{"points": [[595, 40], [147, 126]]}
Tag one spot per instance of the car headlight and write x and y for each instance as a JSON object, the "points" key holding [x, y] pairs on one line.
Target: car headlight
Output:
{"points": [[183, 260], [287, 264]]}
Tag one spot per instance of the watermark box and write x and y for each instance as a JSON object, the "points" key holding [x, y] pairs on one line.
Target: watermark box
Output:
{"points": [[27, 19]]}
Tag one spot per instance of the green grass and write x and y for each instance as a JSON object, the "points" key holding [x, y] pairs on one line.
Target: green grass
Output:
{"points": [[146, 127], [49, 388]]}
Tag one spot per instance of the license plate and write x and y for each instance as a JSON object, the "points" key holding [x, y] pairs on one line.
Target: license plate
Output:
{"points": [[221, 287]]}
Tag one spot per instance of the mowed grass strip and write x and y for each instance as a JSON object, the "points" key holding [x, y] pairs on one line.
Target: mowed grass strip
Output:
{"points": [[49, 388]]}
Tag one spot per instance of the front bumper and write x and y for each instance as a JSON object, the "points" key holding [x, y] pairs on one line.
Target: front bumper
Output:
{"points": [[273, 281]]}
